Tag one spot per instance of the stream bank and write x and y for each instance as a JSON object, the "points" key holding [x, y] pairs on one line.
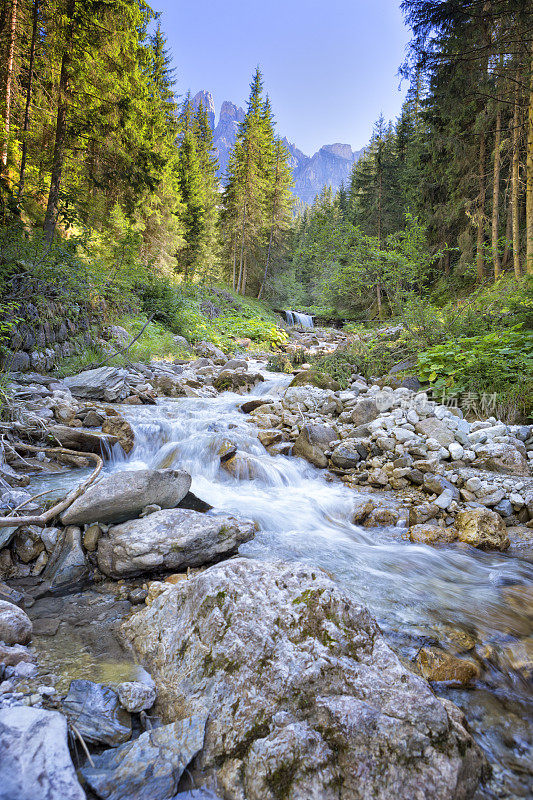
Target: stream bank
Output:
{"points": [[453, 607]]}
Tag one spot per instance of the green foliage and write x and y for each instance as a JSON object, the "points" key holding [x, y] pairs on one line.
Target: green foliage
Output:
{"points": [[489, 363]]}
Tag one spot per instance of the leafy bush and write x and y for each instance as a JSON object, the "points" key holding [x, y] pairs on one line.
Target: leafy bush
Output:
{"points": [[479, 363]]}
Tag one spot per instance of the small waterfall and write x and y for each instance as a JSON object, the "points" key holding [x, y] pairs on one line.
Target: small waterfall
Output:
{"points": [[296, 318]]}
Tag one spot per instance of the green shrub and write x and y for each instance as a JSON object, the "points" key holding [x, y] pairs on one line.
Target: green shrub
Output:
{"points": [[479, 363]]}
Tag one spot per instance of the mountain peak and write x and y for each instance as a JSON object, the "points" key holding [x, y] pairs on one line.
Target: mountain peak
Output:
{"points": [[339, 150], [330, 166], [206, 98]]}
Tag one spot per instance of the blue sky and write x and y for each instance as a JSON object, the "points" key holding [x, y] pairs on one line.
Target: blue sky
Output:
{"points": [[330, 66]]}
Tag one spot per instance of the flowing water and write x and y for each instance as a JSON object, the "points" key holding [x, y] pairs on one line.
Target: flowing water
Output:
{"points": [[299, 319], [420, 595]]}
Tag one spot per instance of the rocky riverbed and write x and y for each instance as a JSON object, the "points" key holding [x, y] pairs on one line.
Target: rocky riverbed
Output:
{"points": [[263, 676]]}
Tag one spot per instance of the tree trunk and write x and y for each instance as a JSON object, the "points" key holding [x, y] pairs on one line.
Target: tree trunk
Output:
{"points": [[480, 256], [529, 176], [8, 87], [514, 184], [61, 129], [378, 298], [496, 195], [26, 125], [508, 235], [234, 276], [239, 279]]}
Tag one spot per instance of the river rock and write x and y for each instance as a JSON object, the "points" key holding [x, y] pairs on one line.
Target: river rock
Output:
{"points": [[67, 568], [209, 350], [170, 540], [250, 405], [437, 665], [11, 655], [312, 441], [120, 429], [311, 377], [135, 696], [15, 625], [35, 762], [434, 428], [364, 412], [122, 495], [151, 766], [503, 458], [103, 383], [95, 711], [482, 528], [230, 380], [346, 456], [306, 699], [432, 534]]}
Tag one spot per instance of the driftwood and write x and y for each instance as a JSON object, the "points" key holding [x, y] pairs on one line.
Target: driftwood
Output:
{"points": [[42, 520]]}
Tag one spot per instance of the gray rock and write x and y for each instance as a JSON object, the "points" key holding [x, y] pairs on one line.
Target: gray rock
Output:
{"points": [[35, 762], [103, 383], [209, 350], [236, 363], [151, 766], [345, 456], [437, 484], [67, 568], [170, 540], [434, 428], [306, 699], [504, 508], [364, 412], [122, 495], [312, 442], [502, 458], [16, 362], [135, 696], [95, 711], [15, 625]]}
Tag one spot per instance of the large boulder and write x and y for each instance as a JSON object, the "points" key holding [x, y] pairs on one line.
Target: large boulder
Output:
{"points": [[15, 625], [306, 700], [483, 528], [35, 762], [504, 458], [122, 495], [209, 350], [235, 381], [313, 441], [170, 540], [312, 377], [150, 767], [103, 383]]}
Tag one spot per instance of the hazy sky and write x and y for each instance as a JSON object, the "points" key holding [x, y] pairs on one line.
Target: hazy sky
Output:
{"points": [[330, 66]]}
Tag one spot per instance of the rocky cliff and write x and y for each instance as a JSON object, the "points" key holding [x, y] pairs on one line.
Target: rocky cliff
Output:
{"points": [[330, 166]]}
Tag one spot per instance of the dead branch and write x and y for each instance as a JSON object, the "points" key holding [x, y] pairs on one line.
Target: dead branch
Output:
{"points": [[42, 520], [127, 347]]}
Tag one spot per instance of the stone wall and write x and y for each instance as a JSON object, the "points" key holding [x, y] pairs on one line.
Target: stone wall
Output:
{"points": [[42, 337]]}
